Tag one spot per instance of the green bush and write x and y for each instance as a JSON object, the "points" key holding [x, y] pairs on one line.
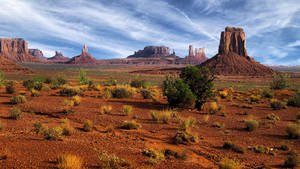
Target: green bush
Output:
{"points": [[39, 127], [277, 105], [83, 80], [153, 154], [280, 81], [200, 81], [111, 82], [172, 153], [127, 110], [226, 163], [293, 130], [229, 145], [70, 91], [140, 84], [267, 94], [53, 133], [88, 126], [111, 161], [18, 99], [294, 100], [15, 113], [251, 124], [10, 88], [178, 93], [146, 94], [121, 92]]}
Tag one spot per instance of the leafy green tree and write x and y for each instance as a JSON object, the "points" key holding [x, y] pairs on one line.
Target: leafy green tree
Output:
{"points": [[200, 81], [83, 79], [178, 93]]}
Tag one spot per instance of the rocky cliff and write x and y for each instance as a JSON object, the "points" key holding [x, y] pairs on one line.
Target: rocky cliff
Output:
{"points": [[194, 58], [58, 57], [15, 50], [83, 59], [152, 52], [38, 54], [232, 58]]}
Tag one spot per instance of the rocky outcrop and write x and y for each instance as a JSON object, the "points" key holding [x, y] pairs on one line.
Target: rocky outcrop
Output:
{"points": [[58, 57], [232, 58], [194, 58], [152, 52], [15, 50], [9, 66], [38, 54], [191, 51], [84, 59], [233, 40]]}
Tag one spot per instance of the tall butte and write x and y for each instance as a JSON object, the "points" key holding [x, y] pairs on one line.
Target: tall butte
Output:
{"points": [[232, 58], [83, 59]]}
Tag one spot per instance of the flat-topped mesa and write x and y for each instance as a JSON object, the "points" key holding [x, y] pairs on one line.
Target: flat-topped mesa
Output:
{"points": [[38, 54], [233, 40], [152, 52], [15, 49]]}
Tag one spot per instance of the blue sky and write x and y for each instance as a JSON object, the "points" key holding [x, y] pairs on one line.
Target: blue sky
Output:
{"points": [[117, 28]]}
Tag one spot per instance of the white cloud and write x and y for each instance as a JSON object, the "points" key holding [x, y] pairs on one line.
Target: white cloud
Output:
{"points": [[294, 44]]}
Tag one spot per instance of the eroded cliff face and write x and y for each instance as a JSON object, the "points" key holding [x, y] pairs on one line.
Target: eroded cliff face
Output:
{"points": [[38, 54], [15, 50], [152, 52], [194, 58], [233, 40], [84, 59]]}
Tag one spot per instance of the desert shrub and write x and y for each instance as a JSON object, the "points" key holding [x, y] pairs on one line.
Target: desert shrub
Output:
{"points": [[29, 84], [218, 125], [178, 93], [38, 85], [262, 149], [213, 108], [163, 116], [172, 153], [35, 93], [251, 124], [277, 105], [111, 161], [254, 98], [105, 109], [70, 91], [273, 117], [40, 128], [15, 113], [76, 100], [67, 106], [140, 84], [229, 145], [83, 79], [223, 94], [121, 92], [69, 161], [53, 133], [10, 88], [293, 130], [200, 82], [146, 94], [127, 110], [267, 94], [111, 82], [18, 99], [292, 161], [183, 137], [61, 79], [2, 125], [294, 100], [88, 126], [67, 128], [226, 163], [152, 153], [2, 78], [106, 93], [187, 124], [280, 81], [131, 125]]}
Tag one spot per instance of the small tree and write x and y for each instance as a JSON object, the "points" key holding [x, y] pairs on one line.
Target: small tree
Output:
{"points": [[83, 80], [280, 81], [178, 93], [200, 81]]}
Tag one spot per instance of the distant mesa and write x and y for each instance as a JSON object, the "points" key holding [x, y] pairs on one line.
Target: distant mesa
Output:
{"points": [[16, 50], [232, 58], [83, 59], [152, 52], [58, 57], [38, 54]]}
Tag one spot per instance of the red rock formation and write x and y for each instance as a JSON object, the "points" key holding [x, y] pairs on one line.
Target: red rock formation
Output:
{"points": [[9, 66], [84, 59], [191, 51], [152, 52], [38, 54], [194, 59], [15, 50], [58, 58], [232, 58]]}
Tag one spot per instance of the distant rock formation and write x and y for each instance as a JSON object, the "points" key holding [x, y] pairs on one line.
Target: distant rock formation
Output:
{"points": [[38, 54], [58, 57], [84, 59], [152, 52], [16, 50], [194, 59], [232, 58]]}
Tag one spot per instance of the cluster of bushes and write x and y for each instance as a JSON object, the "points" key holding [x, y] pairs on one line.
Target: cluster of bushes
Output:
{"points": [[10, 88], [163, 116], [140, 84], [105, 109], [280, 81], [184, 134], [132, 124], [121, 92], [18, 99], [70, 91], [229, 145], [69, 161], [192, 89], [277, 105], [107, 160]]}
